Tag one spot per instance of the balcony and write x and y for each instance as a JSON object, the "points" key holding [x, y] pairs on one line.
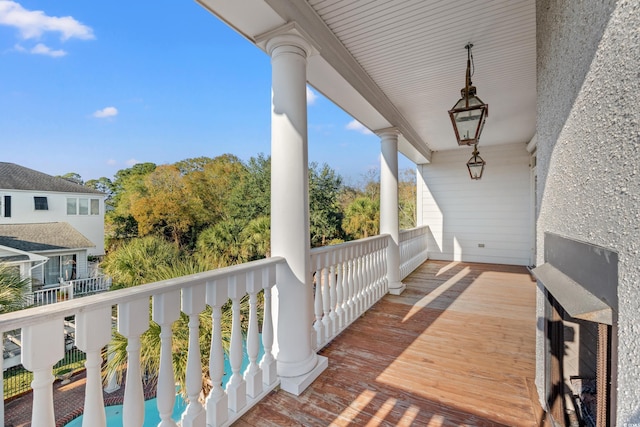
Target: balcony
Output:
{"points": [[456, 346], [69, 289]]}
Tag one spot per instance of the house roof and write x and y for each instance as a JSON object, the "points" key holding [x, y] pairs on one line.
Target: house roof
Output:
{"points": [[16, 177], [43, 237]]}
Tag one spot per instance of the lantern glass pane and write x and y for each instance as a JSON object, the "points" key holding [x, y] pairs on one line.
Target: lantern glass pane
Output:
{"points": [[475, 170]]}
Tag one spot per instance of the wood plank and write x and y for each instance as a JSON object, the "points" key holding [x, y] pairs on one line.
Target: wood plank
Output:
{"points": [[457, 348]]}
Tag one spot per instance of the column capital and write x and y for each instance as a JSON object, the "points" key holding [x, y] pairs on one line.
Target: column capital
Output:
{"points": [[387, 132], [290, 34]]}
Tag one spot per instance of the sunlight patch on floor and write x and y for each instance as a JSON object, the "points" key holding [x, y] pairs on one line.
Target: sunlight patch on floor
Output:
{"points": [[447, 267], [429, 298], [355, 407]]}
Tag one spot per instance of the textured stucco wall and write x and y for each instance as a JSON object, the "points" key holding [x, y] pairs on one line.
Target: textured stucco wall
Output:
{"points": [[588, 153]]}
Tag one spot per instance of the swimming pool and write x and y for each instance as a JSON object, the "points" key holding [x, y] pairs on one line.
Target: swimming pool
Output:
{"points": [[151, 414]]}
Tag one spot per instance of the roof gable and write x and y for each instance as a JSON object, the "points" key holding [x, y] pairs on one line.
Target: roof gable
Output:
{"points": [[16, 177]]}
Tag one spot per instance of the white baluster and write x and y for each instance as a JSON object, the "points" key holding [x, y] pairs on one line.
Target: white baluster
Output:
{"points": [[253, 373], [358, 282], [193, 302], [384, 267], [217, 403], [339, 291], [42, 347], [333, 293], [268, 363], [317, 305], [326, 301], [236, 387], [93, 332], [166, 310], [368, 276], [133, 320], [351, 266]]}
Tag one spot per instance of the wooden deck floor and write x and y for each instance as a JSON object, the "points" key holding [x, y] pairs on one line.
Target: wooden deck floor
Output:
{"points": [[457, 348]]}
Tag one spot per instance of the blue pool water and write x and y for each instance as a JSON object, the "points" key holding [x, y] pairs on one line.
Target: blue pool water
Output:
{"points": [[151, 414]]}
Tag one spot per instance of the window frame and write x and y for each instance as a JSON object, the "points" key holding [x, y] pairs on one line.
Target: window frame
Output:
{"points": [[40, 203]]}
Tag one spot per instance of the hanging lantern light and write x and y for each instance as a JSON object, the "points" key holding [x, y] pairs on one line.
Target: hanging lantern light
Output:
{"points": [[469, 113], [475, 164]]}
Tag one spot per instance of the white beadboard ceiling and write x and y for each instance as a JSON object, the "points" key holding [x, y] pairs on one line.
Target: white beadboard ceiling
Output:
{"points": [[402, 63]]}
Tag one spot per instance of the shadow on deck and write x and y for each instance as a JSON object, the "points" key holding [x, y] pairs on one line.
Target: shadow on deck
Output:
{"points": [[457, 348]]}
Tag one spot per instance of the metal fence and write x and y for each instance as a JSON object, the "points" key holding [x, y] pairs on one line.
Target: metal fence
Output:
{"points": [[17, 380]]}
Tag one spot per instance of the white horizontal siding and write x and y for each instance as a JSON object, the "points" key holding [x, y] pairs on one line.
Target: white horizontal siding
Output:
{"points": [[463, 214]]}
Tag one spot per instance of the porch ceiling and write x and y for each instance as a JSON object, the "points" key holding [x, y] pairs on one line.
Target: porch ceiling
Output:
{"points": [[401, 63]]}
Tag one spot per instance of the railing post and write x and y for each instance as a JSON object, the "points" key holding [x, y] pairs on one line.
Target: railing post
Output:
{"points": [[340, 291], [166, 310], [43, 346], [217, 403], [268, 362], [318, 326], [331, 261], [326, 299], [93, 332], [253, 373], [236, 387], [133, 320], [193, 302]]}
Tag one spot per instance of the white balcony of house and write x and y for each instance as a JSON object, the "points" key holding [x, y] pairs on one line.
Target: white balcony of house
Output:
{"points": [[349, 279]]}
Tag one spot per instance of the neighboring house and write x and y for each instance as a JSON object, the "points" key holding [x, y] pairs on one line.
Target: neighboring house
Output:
{"points": [[49, 226]]}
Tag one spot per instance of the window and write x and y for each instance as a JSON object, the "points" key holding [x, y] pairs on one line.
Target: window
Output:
{"points": [[7, 206], [72, 206], [84, 206], [95, 207], [41, 203]]}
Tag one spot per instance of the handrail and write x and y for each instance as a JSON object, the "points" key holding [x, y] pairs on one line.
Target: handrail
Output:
{"points": [[43, 343], [348, 279], [413, 249]]}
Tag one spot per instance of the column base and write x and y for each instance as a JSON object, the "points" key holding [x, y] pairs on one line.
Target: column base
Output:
{"points": [[296, 385], [397, 288]]}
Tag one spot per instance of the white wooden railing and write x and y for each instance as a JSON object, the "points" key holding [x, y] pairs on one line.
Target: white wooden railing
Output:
{"points": [[43, 345], [348, 279], [90, 285], [69, 290], [413, 249]]}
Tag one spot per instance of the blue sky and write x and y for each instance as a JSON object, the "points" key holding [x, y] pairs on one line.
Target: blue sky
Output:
{"points": [[94, 87]]}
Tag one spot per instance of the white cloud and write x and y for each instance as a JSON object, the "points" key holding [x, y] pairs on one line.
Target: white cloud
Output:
{"points": [[112, 162], [311, 96], [358, 127], [33, 23], [41, 49], [106, 112], [132, 162]]}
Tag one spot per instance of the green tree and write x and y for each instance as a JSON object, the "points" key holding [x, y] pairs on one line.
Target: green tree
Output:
{"points": [[325, 216], [167, 206], [407, 199], [120, 225], [221, 244], [215, 182], [73, 177], [139, 260], [362, 218], [252, 197], [13, 289], [256, 238]]}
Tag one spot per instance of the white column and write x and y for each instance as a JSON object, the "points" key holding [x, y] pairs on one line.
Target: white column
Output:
{"points": [[293, 306], [389, 223]]}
